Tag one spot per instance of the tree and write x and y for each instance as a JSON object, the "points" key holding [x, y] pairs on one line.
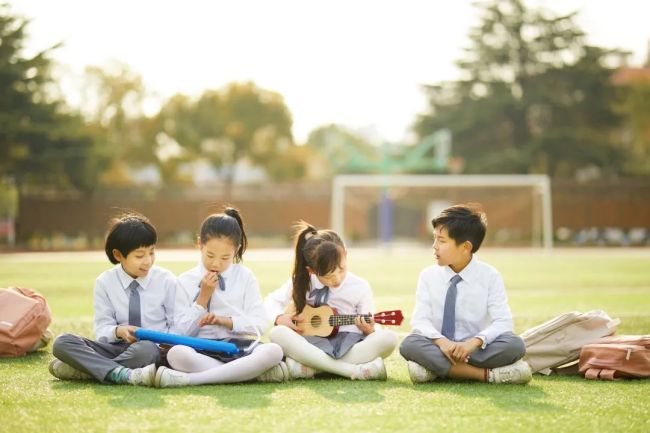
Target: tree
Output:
{"points": [[230, 124], [533, 96], [41, 144], [113, 98]]}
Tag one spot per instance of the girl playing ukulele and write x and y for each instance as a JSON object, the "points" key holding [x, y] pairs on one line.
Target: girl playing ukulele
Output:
{"points": [[319, 278]]}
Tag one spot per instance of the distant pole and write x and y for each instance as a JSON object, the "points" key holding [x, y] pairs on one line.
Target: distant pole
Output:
{"points": [[385, 217]]}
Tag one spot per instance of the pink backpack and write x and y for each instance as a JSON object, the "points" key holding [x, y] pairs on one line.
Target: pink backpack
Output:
{"points": [[24, 318], [616, 357]]}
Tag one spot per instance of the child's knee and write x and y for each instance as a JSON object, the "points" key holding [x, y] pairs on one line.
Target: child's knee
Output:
{"points": [[62, 343], [518, 347], [387, 340], [147, 351], [273, 353], [409, 347], [280, 333], [177, 353]]}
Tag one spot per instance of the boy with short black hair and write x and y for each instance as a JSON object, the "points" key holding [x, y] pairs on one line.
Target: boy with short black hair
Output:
{"points": [[462, 324], [133, 294]]}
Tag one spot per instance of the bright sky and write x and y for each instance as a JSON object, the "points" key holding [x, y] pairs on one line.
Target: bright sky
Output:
{"points": [[359, 63]]}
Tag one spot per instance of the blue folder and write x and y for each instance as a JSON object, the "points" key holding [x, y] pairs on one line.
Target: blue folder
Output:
{"points": [[196, 343]]}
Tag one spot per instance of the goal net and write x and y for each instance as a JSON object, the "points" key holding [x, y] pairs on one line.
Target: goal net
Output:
{"points": [[388, 208]]}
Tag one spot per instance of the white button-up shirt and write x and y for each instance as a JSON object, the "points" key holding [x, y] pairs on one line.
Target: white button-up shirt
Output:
{"points": [[353, 296], [481, 305], [241, 301], [160, 300]]}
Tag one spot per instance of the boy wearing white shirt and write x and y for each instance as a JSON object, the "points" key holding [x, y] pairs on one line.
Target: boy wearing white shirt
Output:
{"points": [[133, 294], [462, 325]]}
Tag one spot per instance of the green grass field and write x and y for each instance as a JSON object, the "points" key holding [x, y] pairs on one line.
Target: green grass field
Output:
{"points": [[539, 287]]}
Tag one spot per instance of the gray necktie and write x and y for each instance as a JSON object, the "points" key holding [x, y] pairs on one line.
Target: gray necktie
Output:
{"points": [[449, 316], [135, 314], [321, 296]]}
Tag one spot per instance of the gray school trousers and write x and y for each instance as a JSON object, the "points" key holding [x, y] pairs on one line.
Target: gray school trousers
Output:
{"points": [[506, 349], [98, 359]]}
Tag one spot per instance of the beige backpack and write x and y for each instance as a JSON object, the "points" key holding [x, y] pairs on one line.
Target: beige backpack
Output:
{"points": [[616, 357], [24, 318], [558, 341]]}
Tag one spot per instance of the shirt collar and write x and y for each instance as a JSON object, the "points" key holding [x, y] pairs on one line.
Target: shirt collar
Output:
{"points": [[467, 274], [126, 279]]}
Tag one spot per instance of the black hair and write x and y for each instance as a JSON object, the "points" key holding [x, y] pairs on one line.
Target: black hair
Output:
{"points": [[464, 222], [227, 225], [321, 250], [127, 233]]}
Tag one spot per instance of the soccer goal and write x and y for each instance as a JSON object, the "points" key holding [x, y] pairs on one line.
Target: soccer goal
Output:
{"points": [[385, 208]]}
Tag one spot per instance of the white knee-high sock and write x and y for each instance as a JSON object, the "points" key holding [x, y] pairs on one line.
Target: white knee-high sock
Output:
{"points": [[380, 343], [249, 367], [295, 346], [188, 360]]}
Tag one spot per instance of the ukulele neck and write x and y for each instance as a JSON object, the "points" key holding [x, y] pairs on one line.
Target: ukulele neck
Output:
{"points": [[347, 319]]}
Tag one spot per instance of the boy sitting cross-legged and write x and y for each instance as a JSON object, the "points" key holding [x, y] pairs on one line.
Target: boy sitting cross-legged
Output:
{"points": [[462, 325]]}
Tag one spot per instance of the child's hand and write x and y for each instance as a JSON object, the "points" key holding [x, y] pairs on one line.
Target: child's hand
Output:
{"points": [[208, 286], [462, 350], [209, 282], [210, 319], [290, 321], [126, 333], [365, 327], [213, 319], [447, 348]]}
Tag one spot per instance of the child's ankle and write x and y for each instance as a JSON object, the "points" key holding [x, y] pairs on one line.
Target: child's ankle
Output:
{"points": [[119, 375]]}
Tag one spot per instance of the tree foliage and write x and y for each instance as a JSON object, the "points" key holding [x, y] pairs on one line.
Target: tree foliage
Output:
{"points": [[40, 143], [240, 121], [533, 98]]}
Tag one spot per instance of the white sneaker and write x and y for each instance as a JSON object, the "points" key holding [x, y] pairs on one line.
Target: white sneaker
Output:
{"points": [[277, 373], [143, 376], [419, 374], [63, 371], [168, 378], [298, 370], [519, 373], [373, 370]]}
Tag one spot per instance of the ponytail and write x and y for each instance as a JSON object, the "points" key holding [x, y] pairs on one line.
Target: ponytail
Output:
{"points": [[226, 225], [243, 244], [301, 279], [321, 250]]}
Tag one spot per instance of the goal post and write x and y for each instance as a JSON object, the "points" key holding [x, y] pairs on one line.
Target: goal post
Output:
{"points": [[540, 185]]}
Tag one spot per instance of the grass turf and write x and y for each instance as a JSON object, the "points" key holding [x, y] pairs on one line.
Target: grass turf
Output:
{"points": [[539, 287]]}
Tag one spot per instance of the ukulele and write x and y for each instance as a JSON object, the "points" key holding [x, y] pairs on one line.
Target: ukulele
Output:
{"points": [[324, 321]]}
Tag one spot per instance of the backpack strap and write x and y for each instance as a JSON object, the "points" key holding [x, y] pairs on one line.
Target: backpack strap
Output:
{"points": [[600, 374], [592, 373], [607, 374]]}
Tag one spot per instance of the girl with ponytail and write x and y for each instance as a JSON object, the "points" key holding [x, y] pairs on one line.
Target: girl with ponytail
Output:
{"points": [[320, 277], [226, 306]]}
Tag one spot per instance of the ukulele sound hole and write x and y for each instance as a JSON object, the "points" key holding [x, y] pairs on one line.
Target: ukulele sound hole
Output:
{"points": [[316, 321]]}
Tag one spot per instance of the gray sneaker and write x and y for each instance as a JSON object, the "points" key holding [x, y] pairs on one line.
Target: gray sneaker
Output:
{"points": [[168, 378], [373, 370], [63, 371], [419, 374], [518, 373], [277, 373], [144, 376]]}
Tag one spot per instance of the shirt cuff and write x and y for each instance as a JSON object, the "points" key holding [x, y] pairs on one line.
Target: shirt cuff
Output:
{"points": [[483, 339], [238, 324]]}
